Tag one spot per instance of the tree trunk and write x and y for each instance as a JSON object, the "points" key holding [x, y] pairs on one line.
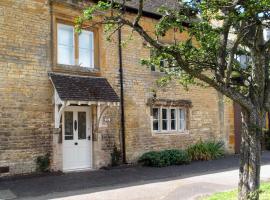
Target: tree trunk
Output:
{"points": [[250, 156]]}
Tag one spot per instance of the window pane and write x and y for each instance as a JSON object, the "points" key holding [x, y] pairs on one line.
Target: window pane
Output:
{"points": [[164, 113], [155, 125], [153, 68], [65, 55], [155, 113], [173, 125], [164, 119], [182, 119], [86, 57], [164, 125], [68, 125], [65, 35], [266, 34], [81, 125], [155, 119], [86, 49], [172, 113], [65, 46], [86, 40]]}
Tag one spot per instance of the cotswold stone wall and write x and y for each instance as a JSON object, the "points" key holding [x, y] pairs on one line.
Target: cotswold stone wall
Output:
{"points": [[25, 91], [209, 115], [26, 106]]}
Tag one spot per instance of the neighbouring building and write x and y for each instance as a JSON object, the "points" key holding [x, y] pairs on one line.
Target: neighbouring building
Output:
{"points": [[62, 93]]}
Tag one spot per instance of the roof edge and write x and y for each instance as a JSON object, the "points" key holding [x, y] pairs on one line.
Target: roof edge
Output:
{"points": [[144, 13]]}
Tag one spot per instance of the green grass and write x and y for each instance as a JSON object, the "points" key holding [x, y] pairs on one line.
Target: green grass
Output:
{"points": [[232, 195]]}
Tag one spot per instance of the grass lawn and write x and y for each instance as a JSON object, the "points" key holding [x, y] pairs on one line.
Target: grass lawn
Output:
{"points": [[232, 195]]}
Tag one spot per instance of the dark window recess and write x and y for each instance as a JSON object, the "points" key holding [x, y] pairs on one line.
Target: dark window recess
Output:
{"points": [[4, 169], [68, 125], [153, 68], [82, 125]]}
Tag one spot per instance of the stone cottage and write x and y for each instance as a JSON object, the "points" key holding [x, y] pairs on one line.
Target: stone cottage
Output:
{"points": [[77, 96]]}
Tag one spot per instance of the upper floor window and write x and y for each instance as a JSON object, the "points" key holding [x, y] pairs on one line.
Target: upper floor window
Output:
{"points": [[266, 34], [160, 66], [243, 60], [166, 120], [73, 48]]}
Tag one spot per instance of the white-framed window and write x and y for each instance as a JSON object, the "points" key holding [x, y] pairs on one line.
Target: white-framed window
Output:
{"points": [[86, 49], [166, 120], [243, 60], [160, 67], [266, 34], [74, 48], [65, 44], [156, 119]]}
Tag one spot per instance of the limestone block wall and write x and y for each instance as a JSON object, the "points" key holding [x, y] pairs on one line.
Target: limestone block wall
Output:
{"points": [[26, 106], [209, 116], [25, 91]]}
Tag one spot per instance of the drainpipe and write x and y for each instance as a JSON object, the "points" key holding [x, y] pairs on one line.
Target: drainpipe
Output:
{"points": [[123, 137]]}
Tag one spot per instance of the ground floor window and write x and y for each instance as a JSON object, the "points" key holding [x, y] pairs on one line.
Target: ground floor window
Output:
{"points": [[166, 120]]}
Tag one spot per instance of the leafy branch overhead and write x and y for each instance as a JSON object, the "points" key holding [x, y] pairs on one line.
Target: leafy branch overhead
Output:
{"points": [[221, 34]]}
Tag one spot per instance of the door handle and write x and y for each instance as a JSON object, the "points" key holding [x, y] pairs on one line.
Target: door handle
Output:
{"points": [[76, 143], [75, 125], [89, 137]]}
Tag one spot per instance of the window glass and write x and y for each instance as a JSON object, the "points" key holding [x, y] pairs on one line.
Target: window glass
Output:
{"points": [[155, 119], [81, 125], [86, 49], [182, 119], [243, 60], [164, 119], [68, 125], [266, 34], [65, 44], [173, 119], [162, 63], [168, 119]]}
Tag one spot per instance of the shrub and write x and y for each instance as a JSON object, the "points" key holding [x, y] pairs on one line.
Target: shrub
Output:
{"points": [[115, 156], [43, 163], [164, 158], [208, 150]]}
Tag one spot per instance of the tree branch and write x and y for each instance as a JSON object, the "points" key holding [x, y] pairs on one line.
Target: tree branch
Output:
{"points": [[240, 36], [139, 15], [229, 92], [222, 49]]}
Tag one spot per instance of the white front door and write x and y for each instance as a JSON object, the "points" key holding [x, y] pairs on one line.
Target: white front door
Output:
{"points": [[77, 143]]}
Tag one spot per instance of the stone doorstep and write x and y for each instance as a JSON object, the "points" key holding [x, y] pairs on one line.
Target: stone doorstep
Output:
{"points": [[7, 194]]}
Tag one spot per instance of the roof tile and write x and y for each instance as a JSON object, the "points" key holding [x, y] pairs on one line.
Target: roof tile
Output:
{"points": [[82, 88]]}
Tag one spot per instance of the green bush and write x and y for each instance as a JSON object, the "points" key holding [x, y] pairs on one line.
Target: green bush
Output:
{"points": [[208, 150], [164, 158], [43, 163]]}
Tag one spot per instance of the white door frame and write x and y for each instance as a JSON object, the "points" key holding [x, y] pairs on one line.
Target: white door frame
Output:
{"points": [[75, 110]]}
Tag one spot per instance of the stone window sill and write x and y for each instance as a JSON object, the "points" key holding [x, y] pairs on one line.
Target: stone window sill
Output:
{"points": [[157, 73], [76, 69], [170, 133]]}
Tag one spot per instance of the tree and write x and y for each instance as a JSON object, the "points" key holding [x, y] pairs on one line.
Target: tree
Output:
{"points": [[222, 33]]}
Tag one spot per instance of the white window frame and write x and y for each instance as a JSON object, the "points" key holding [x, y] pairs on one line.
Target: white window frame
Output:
{"points": [[59, 25], [152, 120], [177, 120], [76, 47], [91, 49]]}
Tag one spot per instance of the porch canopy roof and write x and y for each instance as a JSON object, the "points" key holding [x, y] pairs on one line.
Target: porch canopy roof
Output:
{"points": [[83, 88], [80, 90]]}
